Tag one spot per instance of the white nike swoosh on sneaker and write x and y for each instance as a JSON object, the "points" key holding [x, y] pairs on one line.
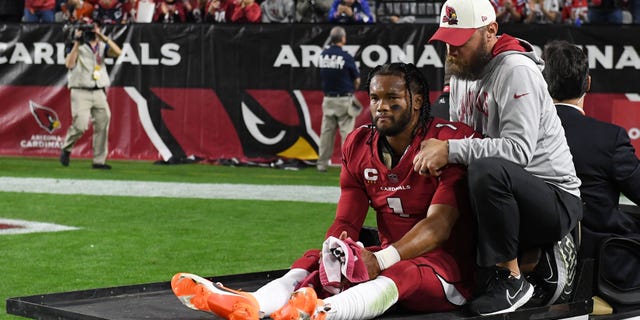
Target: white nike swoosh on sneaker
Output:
{"points": [[550, 268], [510, 297]]}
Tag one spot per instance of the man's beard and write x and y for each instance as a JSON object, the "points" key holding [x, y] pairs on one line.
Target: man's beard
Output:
{"points": [[469, 70], [397, 126]]}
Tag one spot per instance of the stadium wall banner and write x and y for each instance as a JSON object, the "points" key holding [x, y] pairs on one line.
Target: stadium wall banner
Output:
{"points": [[250, 91]]}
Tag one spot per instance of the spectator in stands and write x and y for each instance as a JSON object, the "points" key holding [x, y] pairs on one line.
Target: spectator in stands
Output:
{"points": [[402, 19], [110, 12], [39, 10], [170, 11], [130, 7], [193, 10], [76, 10], [542, 11], [390, 12], [279, 11], [509, 11], [11, 11], [246, 11], [350, 11], [312, 10], [603, 155], [575, 12], [605, 12], [218, 11]]}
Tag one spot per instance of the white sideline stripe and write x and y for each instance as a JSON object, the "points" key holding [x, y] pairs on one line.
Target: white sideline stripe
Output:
{"points": [[171, 189], [178, 189], [25, 226]]}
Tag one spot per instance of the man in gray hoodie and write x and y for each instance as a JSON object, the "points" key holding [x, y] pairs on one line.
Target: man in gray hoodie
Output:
{"points": [[523, 185]]}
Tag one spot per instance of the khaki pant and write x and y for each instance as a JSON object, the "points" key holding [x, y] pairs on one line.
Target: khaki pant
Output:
{"points": [[337, 112], [89, 105]]}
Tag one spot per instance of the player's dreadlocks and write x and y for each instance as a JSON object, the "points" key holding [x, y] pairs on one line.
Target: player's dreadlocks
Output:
{"points": [[417, 84]]}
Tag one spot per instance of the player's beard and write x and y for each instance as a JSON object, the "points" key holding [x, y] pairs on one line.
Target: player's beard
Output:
{"points": [[399, 124], [472, 69]]}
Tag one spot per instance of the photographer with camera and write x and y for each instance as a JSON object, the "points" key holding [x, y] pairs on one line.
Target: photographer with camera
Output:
{"points": [[350, 11], [87, 79]]}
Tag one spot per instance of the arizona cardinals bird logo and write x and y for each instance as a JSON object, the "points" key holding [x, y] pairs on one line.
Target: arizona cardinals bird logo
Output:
{"points": [[46, 117], [451, 16]]}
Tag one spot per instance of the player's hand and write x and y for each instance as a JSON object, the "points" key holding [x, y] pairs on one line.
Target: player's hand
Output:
{"points": [[373, 269], [432, 157]]}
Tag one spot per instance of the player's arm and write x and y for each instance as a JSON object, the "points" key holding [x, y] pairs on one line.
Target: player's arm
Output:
{"points": [[429, 233], [353, 206]]}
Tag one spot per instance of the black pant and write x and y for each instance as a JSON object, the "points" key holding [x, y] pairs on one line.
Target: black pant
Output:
{"points": [[515, 210]]}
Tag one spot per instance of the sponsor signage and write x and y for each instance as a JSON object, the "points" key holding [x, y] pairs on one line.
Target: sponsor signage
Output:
{"points": [[250, 91]]}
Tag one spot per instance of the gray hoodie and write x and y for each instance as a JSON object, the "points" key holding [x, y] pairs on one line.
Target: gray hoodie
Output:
{"points": [[511, 107]]}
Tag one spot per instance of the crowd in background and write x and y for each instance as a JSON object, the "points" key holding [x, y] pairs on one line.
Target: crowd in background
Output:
{"points": [[310, 11]]}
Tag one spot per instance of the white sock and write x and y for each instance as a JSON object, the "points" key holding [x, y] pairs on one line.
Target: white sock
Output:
{"points": [[275, 294], [363, 301]]}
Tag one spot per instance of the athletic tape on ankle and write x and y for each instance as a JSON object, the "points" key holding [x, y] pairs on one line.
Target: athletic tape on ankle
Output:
{"points": [[387, 257]]}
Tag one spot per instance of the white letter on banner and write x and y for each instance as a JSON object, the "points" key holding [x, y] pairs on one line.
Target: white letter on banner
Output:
{"points": [[144, 52], [605, 59], [310, 54], [20, 54], [42, 51], [128, 55], [60, 50], [399, 55], [383, 57], [286, 57], [629, 58], [429, 57], [634, 133], [3, 48], [170, 54]]}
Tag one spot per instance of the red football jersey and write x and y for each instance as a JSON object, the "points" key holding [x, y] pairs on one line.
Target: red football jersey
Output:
{"points": [[399, 196]]}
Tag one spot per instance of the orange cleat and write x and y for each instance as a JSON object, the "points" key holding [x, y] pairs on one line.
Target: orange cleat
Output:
{"points": [[301, 305], [201, 294]]}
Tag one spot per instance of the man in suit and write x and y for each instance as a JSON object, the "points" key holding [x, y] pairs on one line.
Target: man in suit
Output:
{"points": [[604, 158]]}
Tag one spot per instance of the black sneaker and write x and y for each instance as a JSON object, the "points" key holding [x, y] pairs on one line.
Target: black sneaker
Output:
{"points": [[554, 274], [506, 293], [101, 166], [64, 158]]}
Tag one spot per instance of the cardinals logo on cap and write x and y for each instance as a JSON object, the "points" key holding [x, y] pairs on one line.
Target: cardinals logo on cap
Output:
{"points": [[47, 118], [451, 16]]}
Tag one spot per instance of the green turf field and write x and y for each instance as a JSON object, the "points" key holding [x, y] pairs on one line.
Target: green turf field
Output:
{"points": [[133, 239]]}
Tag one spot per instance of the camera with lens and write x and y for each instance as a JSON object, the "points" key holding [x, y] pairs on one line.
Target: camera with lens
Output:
{"points": [[86, 32]]}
